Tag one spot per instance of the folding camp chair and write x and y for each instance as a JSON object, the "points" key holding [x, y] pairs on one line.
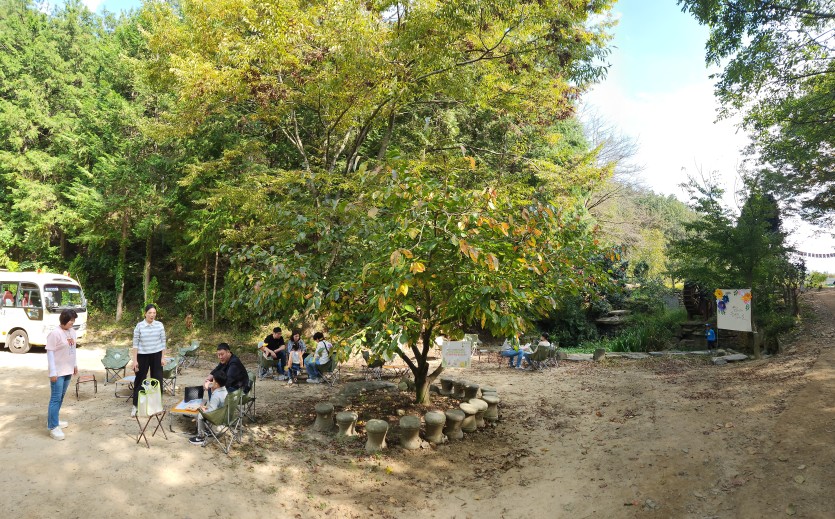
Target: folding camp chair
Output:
{"points": [[225, 420], [248, 399], [329, 371], [169, 376], [189, 354], [115, 360], [543, 357], [264, 364], [372, 370]]}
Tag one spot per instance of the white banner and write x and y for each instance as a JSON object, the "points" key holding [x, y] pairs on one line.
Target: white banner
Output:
{"points": [[733, 309], [456, 354]]}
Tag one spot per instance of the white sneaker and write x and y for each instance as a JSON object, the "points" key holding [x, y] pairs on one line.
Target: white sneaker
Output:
{"points": [[281, 377], [314, 381], [133, 411], [57, 433], [290, 382], [62, 424]]}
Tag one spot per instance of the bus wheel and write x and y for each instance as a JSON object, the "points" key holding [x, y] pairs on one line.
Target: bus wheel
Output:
{"points": [[18, 342]]}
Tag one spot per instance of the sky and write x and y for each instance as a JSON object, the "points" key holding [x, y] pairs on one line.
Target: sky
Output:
{"points": [[658, 92]]}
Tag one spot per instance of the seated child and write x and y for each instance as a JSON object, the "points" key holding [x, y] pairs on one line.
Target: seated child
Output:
{"points": [[296, 359], [217, 400]]}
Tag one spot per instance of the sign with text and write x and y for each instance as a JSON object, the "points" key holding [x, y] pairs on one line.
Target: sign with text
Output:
{"points": [[456, 354], [733, 309]]}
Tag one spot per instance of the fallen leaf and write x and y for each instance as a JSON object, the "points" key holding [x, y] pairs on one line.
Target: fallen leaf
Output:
{"points": [[791, 509], [799, 479]]}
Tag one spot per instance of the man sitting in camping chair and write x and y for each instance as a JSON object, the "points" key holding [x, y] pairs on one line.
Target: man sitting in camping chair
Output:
{"points": [[217, 401], [231, 366]]}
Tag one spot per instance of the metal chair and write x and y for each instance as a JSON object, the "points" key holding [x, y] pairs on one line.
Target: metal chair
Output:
{"points": [[329, 371], [115, 361], [372, 370]]}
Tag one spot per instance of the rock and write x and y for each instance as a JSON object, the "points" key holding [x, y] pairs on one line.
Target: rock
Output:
{"points": [[599, 353], [719, 361], [735, 357]]}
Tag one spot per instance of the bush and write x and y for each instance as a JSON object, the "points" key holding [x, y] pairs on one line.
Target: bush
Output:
{"points": [[645, 333]]}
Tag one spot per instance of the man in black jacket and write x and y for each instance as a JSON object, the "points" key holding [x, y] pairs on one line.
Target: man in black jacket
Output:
{"points": [[231, 366]]}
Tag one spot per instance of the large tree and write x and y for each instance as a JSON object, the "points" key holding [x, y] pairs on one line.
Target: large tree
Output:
{"points": [[779, 73]]}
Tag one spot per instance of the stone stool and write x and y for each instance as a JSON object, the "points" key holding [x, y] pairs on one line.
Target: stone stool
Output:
{"points": [[458, 389], [376, 433], [492, 413], [346, 420], [481, 406], [468, 425], [488, 389], [324, 417], [470, 391], [410, 432], [435, 421], [454, 417], [446, 386]]}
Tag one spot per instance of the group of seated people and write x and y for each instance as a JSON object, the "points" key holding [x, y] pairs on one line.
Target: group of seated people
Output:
{"points": [[512, 349], [287, 359], [230, 374]]}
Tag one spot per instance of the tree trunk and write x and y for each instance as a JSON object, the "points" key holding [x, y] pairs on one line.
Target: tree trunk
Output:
{"points": [[120, 269], [146, 272], [214, 287], [421, 370], [205, 289]]}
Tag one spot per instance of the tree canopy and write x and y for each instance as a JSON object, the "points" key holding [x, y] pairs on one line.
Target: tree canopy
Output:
{"points": [[779, 74]]}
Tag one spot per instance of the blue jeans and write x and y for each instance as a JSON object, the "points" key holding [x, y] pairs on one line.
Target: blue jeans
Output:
{"points": [[310, 366], [294, 370], [511, 354], [57, 390]]}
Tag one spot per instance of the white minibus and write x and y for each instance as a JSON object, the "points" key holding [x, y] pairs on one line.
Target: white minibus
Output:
{"points": [[30, 304]]}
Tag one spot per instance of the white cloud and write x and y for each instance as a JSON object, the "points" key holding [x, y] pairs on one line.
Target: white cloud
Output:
{"points": [[92, 4]]}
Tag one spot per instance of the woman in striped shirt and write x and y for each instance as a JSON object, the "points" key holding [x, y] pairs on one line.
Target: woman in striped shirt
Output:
{"points": [[148, 351]]}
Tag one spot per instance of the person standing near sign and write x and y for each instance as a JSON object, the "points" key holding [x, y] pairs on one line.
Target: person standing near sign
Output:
{"points": [[60, 355], [710, 336], [148, 351]]}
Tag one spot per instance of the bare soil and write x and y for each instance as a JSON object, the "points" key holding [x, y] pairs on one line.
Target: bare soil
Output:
{"points": [[667, 437]]}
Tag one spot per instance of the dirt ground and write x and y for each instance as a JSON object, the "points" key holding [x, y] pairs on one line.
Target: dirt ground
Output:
{"points": [[656, 438]]}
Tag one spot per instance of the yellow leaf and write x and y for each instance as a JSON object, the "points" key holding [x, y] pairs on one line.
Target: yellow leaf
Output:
{"points": [[373, 212], [407, 253], [472, 162], [463, 246], [403, 289], [381, 304], [396, 258], [417, 267]]}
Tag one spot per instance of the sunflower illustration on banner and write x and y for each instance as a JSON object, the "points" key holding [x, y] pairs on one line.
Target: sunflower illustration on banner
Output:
{"points": [[733, 309]]}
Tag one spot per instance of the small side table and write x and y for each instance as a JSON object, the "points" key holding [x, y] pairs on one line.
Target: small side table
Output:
{"points": [[82, 379]]}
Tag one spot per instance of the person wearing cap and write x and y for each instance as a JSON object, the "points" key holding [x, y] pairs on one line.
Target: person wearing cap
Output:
{"points": [[231, 366], [275, 351], [710, 335]]}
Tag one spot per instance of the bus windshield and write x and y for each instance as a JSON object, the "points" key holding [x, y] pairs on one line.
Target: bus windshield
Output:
{"points": [[61, 297]]}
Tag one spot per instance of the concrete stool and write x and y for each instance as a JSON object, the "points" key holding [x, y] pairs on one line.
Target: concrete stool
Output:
{"points": [[376, 434], [488, 389], [346, 420], [470, 391], [435, 421], [410, 432], [492, 413], [481, 407], [324, 417], [446, 386], [458, 389], [468, 425], [454, 417]]}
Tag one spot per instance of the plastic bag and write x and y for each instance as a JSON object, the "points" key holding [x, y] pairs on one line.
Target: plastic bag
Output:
{"points": [[150, 398]]}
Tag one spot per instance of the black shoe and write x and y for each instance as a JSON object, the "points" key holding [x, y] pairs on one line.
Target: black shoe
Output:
{"points": [[198, 440]]}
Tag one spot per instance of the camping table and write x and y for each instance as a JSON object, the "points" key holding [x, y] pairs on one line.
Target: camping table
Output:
{"points": [[183, 409], [159, 416]]}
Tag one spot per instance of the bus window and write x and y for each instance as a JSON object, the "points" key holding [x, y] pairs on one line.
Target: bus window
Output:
{"points": [[30, 296], [8, 290], [61, 297]]}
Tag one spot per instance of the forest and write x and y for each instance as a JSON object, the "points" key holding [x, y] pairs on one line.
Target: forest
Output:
{"points": [[393, 171]]}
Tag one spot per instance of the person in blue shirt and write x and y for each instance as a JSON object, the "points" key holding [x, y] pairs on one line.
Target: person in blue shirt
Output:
{"points": [[710, 335]]}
